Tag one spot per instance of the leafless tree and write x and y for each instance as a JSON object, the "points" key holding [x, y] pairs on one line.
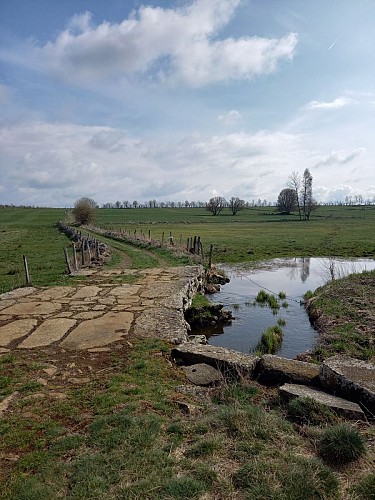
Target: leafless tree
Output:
{"points": [[216, 205], [295, 184], [235, 205]]}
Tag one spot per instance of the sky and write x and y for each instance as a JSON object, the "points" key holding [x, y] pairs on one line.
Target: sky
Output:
{"points": [[185, 100]]}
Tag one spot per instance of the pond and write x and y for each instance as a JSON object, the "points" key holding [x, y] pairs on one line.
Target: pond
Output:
{"points": [[294, 277]]}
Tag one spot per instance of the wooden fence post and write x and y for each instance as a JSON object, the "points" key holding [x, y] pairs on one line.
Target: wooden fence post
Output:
{"points": [[28, 281], [67, 261], [75, 256], [210, 257]]}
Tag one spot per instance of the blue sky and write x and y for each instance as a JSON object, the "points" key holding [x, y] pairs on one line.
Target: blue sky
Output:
{"points": [[185, 100]]}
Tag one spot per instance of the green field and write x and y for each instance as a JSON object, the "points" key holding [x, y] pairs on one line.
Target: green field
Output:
{"points": [[251, 235], [258, 233]]}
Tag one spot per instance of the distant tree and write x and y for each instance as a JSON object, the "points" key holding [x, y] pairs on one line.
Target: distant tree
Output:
{"points": [[307, 200], [295, 184], [287, 201], [118, 204], [135, 204], [126, 204], [235, 205], [84, 210], [216, 205]]}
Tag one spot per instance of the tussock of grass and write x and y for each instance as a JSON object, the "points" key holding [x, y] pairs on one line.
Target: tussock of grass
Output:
{"points": [[307, 411], [270, 340], [341, 444]]}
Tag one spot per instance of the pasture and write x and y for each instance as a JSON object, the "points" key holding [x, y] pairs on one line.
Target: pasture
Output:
{"points": [[256, 233], [251, 235]]}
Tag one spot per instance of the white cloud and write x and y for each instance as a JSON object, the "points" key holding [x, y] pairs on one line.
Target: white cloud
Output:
{"points": [[233, 117], [339, 102], [340, 157], [173, 45]]}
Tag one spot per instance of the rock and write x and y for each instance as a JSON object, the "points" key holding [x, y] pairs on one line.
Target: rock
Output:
{"points": [[232, 363], [274, 370], [162, 323], [188, 409], [203, 374], [198, 339], [17, 329], [99, 332], [350, 378], [340, 406], [51, 330], [5, 403]]}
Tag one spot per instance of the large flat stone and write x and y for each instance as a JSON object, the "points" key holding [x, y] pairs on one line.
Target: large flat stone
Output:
{"points": [[54, 293], [15, 330], [32, 309], [340, 406], [163, 323], [51, 330], [351, 378], [99, 332], [203, 374], [229, 362], [86, 292], [274, 370]]}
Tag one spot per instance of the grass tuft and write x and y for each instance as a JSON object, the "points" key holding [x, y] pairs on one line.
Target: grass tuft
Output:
{"points": [[341, 444]]}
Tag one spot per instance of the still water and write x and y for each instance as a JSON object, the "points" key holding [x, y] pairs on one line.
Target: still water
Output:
{"points": [[294, 277]]}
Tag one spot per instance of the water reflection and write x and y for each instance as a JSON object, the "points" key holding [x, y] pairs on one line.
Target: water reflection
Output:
{"points": [[292, 276]]}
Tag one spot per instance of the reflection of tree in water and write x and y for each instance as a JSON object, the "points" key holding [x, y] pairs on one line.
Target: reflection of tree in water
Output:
{"points": [[305, 268], [301, 269]]}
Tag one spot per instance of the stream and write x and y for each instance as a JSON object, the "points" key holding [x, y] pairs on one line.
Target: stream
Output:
{"points": [[294, 277]]}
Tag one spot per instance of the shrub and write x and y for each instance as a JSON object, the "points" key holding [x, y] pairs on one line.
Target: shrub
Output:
{"points": [[262, 297], [308, 411], [84, 210], [341, 444]]}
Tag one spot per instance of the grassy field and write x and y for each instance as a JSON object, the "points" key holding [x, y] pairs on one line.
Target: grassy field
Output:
{"points": [[251, 235], [256, 234]]}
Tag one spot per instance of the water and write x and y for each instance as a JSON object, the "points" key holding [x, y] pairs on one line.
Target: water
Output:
{"points": [[292, 276]]}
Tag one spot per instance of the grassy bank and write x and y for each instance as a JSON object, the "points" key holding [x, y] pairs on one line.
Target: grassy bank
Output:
{"points": [[114, 425], [343, 313]]}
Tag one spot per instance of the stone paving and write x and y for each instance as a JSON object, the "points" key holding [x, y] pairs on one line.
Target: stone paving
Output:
{"points": [[93, 316]]}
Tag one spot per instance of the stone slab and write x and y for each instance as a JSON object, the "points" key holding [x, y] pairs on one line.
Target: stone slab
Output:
{"points": [[99, 332], [15, 330], [17, 293], [31, 309], [340, 406], [229, 362], [350, 378], [86, 292], [203, 374], [162, 323], [275, 370], [51, 330]]}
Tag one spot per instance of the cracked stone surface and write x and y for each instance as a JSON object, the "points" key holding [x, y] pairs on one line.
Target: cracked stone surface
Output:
{"points": [[94, 316]]}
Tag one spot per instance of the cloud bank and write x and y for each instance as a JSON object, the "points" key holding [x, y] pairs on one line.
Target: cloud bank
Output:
{"points": [[180, 45]]}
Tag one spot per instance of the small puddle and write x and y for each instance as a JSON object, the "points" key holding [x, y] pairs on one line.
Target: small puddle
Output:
{"points": [[292, 276]]}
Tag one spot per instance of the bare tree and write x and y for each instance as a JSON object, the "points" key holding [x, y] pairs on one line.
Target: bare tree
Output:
{"points": [[216, 205], [84, 210], [295, 184], [287, 201], [235, 205], [307, 200]]}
